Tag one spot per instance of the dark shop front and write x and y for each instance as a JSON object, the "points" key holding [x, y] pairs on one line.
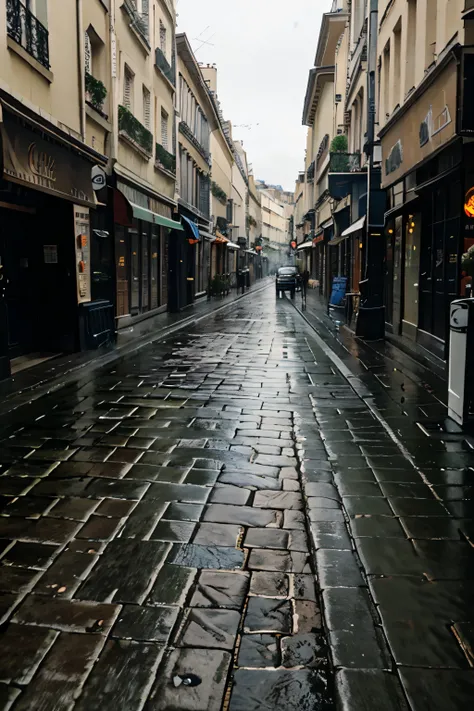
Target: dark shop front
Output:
{"points": [[46, 200], [426, 175], [142, 229]]}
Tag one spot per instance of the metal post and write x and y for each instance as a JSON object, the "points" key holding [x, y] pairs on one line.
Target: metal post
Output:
{"points": [[371, 317]]}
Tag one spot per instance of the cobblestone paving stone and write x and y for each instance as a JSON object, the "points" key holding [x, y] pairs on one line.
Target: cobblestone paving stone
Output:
{"points": [[219, 523]]}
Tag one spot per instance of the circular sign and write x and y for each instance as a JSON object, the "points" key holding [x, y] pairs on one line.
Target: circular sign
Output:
{"points": [[98, 177]]}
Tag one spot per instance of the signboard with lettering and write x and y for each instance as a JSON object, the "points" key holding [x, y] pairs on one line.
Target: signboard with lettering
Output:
{"points": [[412, 136], [34, 159]]}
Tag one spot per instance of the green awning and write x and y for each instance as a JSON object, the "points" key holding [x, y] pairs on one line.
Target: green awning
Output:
{"points": [[141, 213]]}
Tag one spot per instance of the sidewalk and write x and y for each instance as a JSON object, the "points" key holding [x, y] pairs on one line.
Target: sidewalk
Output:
{"points": [[29, 384], [404, 629]]}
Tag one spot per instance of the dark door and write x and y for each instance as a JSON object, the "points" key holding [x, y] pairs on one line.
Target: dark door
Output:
{"points": [[4, 356], [397, 275], [17, 231], [389, 271]]}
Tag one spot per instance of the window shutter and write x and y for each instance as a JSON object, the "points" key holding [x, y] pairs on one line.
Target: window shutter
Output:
{"points": [[127, 88], [146, 108], [163, 38], [164, 129], [145, 12], [87, 54]]}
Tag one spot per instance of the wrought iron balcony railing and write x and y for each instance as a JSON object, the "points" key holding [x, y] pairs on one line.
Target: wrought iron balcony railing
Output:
{"points": [[27, 31], [344, 163], [135, 130], [166, 159], [164, 66]]}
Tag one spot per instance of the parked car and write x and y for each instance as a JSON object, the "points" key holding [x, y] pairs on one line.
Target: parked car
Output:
{"points": [[287, 279]]}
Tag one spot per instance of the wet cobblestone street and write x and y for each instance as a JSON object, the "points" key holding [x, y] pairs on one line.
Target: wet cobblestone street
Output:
{"points": [[224, 520]]}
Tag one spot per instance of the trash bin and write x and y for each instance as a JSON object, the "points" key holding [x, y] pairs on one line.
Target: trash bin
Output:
{"points": [[461, 350]]}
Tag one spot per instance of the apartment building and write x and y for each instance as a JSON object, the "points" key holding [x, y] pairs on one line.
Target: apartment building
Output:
{"points": [[143, 150], [223, 259], [49, 145], [425, 124]]}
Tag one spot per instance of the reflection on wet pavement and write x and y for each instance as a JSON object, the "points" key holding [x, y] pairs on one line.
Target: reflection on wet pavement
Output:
{"points": [[223, 504]]}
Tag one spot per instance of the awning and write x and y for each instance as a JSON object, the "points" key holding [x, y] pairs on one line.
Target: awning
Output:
{"points": [[123, 212], [219, 238], [192, 228], [352, 229], [206, 235], [305, 245], [232, 245], [328, 223], [142, 213], [355, 227]]}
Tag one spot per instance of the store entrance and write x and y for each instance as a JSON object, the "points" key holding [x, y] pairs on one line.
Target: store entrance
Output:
{"points": [[38, 314], [16, 253]]}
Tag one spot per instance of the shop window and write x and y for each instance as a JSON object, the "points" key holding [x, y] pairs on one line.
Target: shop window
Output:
{"points": [[155, 267], [134, 269], [412, 267], [122, 271], [145, 266], [164, 266]]}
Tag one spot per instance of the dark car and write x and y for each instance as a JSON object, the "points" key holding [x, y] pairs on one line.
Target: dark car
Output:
{"points": [[287, 280]]}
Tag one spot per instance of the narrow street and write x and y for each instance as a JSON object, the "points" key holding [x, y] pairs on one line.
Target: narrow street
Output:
{"points": [[222, 521]]}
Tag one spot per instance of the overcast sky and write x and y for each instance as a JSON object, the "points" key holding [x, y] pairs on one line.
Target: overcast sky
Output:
{"points": [[263, 50]]}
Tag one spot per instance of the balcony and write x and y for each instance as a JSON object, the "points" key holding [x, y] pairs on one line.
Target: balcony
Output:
{"points": [[187, 132], [344, 171], [164, 159], [344, 163], [134, 132], [164, 66], [95, 93], [25, 29], [138, 22]]}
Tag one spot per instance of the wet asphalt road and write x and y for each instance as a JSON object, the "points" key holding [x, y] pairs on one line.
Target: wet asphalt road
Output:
{"points": [[225, 521]]}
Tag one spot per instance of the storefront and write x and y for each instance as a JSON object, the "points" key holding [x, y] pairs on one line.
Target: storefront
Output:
{"points": [[46, 199], [142, 233], [424, 165]]}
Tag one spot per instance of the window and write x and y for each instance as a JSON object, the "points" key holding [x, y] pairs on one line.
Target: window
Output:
{"points": [[386, 84], [397, 63], [164, 129], [431, 23], [146, 108], [128, 88], [162, 38], [87, 53], [410, 73]]}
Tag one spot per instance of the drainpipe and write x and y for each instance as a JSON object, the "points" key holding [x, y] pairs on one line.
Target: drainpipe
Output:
{"points": [[371, 316], [81, 70]]}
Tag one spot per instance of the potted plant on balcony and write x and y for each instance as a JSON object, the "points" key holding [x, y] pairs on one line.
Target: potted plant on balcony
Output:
{"points": [[339, 155], [95, 92]]}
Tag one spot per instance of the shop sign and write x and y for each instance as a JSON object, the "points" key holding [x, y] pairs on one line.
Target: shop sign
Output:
{"points": [[424, 127], [35, 159], [430, 127], [82, 237], [98, 177], [395, 158], [319, 239]]}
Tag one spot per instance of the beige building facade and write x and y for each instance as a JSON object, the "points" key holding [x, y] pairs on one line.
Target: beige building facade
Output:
{"points": [[48, 204], [424, 119]]}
